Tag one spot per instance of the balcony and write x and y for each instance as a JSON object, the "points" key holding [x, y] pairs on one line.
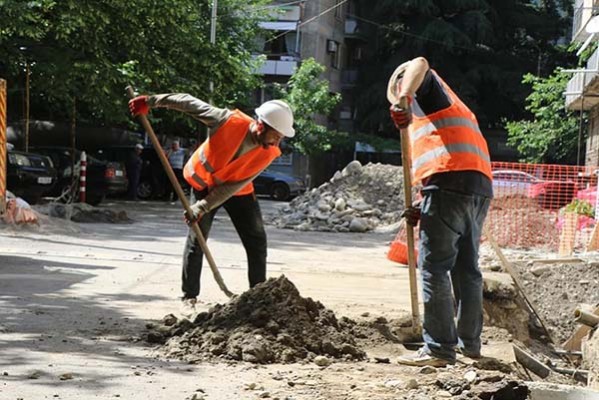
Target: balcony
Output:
{"points": [[582, 91], [282, 66], [584, 10]]}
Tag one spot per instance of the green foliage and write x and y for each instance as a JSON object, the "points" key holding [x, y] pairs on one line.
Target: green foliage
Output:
{"points": [[309, 95], [580, 207], [481, 48], [552, 134], [90, 50]]}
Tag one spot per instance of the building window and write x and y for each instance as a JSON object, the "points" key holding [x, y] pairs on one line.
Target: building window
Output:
{"points": [[334, 49], [339, 9]]}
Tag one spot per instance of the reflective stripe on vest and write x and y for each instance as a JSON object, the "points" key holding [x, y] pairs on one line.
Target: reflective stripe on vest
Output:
{"points": [[204, 161], [195, 177], [448, 150], [442, 123]]}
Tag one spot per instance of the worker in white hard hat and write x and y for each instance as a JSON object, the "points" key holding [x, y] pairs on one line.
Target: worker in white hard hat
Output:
{"points": [[221, 172]]}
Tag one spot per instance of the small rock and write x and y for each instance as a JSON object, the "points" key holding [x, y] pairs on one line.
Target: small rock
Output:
{"points": [[340, 204], [264, 395], [412, 384], [443, 394], [382, 360], [365, 314], [65, 377], [426, 370], [470, 376], [322, 361], [169, 320], [393, 383], [358, 225]]}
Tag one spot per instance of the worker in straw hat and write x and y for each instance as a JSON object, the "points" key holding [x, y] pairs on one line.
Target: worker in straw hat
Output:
{"points": [[450, 160], [221, 172]]}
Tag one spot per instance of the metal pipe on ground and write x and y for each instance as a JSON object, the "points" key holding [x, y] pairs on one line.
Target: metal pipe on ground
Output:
{"points": [[586, 318], [174, 181]]}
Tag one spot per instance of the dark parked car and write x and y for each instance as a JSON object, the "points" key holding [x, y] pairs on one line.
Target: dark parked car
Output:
{"points": [[278, 185], [29, 176], [102, 178], [153, 181]]}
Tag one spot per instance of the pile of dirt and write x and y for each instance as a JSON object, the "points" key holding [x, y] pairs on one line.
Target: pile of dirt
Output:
{"points": [[556, 290], [270, 323], [357, 199]]}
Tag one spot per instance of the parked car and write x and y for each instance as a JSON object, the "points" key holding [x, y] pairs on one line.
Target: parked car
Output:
{"points": [[153, 181], [102, 178], [29, 176], [549, 194], [278, 185], [508, 182]]}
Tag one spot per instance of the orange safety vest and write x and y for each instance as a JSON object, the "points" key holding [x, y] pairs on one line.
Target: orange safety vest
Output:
{"points": [[212, 164], [447, 140]]}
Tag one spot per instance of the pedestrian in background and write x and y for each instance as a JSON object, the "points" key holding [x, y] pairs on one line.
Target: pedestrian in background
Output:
{"points": [[176, 158], [134, 166], [450, 159], [221, 172]]}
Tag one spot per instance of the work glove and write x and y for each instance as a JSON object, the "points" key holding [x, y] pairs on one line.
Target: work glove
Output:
{"points": [[402, 116], [412, 213], [139, 106], [196, 213]]}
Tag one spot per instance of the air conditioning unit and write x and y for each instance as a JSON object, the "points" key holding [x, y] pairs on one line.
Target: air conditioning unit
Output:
{"points": [[332, 46]]}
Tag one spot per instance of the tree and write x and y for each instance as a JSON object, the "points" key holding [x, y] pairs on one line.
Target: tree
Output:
{"points": [[309, 96], [90, 50], [481, 48], [552, 135]]}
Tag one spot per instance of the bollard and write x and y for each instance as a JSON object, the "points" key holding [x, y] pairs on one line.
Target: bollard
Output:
{"points": [[82, 174]]}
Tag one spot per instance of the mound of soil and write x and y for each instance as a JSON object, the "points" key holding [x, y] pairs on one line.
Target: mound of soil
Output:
{"points": [[270, 323], [556, 290]]}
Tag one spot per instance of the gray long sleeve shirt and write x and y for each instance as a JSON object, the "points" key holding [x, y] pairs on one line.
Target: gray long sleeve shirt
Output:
{"points": [[213, 118]]}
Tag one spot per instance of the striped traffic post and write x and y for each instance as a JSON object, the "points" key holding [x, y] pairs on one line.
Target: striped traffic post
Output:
{"points": [[2, 146], [82, 174]]}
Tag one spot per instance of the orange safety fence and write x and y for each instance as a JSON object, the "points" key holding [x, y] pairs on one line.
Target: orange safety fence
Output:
{"points": [[543, 206], [2, 146]]}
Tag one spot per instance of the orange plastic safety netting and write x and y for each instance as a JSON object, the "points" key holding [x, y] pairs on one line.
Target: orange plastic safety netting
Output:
{"points": [[543, 206]]}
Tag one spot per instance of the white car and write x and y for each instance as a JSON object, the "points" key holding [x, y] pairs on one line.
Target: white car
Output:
{"points": [[508, 182]]}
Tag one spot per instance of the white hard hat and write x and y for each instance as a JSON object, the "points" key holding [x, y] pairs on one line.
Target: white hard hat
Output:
{"points": [[139, 146], [278, 115]]}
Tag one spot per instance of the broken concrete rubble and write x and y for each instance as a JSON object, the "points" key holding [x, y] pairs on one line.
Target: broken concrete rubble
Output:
{"points": [[357, 199]]}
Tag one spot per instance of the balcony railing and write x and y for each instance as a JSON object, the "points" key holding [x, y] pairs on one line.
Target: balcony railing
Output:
{"points": [[584, 10], [582, 87]]}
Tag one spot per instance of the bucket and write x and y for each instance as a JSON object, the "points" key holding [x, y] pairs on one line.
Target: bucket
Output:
{"points": [[398, 252]]}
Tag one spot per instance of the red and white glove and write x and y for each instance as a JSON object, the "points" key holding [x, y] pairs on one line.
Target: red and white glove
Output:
{"points": [[401, 116], [139, 106]]}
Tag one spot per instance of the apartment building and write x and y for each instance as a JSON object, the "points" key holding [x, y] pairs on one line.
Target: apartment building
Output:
{"points": [[582, 91], [329, 32]]}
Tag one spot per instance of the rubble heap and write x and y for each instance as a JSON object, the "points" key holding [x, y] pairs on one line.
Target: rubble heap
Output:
{"points": [[356, 199], [270, 323]]}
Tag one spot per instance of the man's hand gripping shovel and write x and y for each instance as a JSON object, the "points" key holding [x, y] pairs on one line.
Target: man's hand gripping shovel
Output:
{"points": [[188, 211]]}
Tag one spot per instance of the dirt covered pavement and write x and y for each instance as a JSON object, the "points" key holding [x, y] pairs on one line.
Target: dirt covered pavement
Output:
{"points": [[77, 301]]}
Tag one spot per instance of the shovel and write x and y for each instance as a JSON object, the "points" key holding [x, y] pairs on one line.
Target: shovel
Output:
{"points": [[173, 179]]}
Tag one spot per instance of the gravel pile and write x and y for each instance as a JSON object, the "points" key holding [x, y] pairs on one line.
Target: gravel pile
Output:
{"points": [[357, 199], [270, 323]]}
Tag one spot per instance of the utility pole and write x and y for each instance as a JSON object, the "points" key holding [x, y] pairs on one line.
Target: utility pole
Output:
{"points": [[213, 33]]}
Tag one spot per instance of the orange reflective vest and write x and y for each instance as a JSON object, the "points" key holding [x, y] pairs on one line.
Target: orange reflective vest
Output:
{"points": [[212, 164], [447, 140]]}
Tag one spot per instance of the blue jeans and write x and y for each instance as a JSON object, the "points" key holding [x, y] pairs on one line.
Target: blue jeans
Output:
{"points": [[450, 230]]}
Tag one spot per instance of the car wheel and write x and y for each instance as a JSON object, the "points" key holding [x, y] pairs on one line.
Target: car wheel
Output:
{"points": [[144, 190], [279, 191]]}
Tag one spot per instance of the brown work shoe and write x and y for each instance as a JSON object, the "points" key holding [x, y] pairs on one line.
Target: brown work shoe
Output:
{"points": [[423, 358]]}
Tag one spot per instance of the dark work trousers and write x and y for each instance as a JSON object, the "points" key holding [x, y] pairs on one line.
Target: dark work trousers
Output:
{"points": [[245, 214]]}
